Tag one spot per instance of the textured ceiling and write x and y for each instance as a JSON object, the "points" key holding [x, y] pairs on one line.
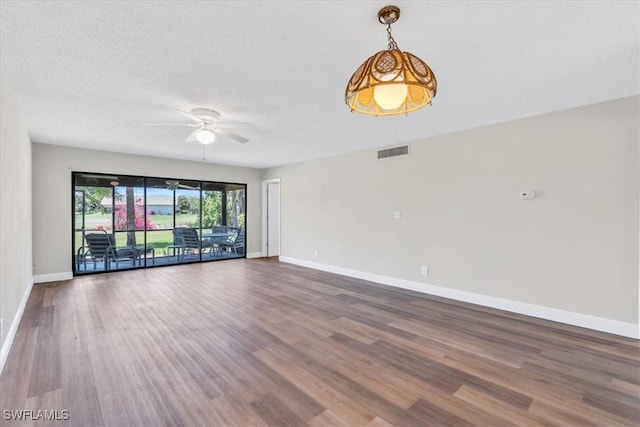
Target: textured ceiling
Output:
{"points": [[90, 74]]}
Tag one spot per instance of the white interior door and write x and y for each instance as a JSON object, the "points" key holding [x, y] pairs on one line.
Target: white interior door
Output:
{"points": [[273, 219]]}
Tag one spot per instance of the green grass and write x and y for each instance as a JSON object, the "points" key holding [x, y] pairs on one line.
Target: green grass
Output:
{"points": [[94, 220]]}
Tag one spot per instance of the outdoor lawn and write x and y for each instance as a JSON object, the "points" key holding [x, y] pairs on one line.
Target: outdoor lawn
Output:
{"points": [[158, 237], [93, 221]]}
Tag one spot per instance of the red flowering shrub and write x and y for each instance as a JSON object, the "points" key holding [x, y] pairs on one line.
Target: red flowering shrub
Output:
{"points": [[139, 217]]}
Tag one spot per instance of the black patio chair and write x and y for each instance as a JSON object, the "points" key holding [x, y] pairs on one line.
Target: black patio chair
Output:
{"points": [[102, 247], [236, 244], [188, 238]]}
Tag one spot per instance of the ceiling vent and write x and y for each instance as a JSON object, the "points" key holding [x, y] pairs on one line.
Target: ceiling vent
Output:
{"points": [[392, 152]]}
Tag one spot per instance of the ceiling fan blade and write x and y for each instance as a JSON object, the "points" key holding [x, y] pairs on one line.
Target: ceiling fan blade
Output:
{"points": [[192, 137], [231, 135], [187, 187], [171, 124], [235, 125], [191, 116]]}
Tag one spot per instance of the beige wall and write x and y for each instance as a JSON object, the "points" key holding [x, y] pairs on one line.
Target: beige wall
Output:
{"points": [[573, 248], [15, 211], [52, 167]]}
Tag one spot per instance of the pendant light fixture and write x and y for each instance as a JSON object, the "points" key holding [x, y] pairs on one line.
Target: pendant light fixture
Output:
{"points": [[391, 81]]}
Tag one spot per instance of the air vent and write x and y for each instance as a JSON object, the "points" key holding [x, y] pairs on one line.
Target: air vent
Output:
{"points": [[392, 152]]}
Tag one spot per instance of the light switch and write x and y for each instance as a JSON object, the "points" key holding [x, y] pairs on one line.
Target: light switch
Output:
{"points": [[396, 215]]}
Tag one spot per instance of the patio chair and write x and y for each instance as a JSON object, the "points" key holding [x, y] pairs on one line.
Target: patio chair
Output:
{"points": [[102, 247], [235, 244], [188, 238]]}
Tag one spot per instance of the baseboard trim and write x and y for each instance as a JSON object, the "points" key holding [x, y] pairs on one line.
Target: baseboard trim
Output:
{"points": [[11, 333], [576, 319], [254, 255], [52, 277]]}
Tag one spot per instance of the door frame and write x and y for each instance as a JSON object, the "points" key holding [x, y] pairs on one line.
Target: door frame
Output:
{"points": [[263, 214]]}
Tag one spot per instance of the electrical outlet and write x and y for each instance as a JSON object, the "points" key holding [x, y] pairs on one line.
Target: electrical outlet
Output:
{"points": [[397, 215], [316, 253], [424, 270]]}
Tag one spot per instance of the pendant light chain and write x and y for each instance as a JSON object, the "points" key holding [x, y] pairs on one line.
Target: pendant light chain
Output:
{"points": [[391, 44]]}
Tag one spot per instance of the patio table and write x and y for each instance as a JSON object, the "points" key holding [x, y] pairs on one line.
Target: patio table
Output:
{"points": [[217, 238]]}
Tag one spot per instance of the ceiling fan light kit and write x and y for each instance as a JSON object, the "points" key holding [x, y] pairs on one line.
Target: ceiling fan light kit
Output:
{"points": [[205, 136], [208, 125], [172, 184], [391, 81]]}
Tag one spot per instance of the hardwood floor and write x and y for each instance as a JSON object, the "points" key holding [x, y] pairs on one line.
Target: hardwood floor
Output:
{"points": [[258, 342]]}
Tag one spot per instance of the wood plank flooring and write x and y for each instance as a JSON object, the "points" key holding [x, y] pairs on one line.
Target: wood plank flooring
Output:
{"points": [[258, 342]]}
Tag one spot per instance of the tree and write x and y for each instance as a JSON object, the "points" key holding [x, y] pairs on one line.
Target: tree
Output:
{"points": [[211, 208], [235, 209], [232, 219], [93, 198], [188, 204], [183, 204], [132, 215]]}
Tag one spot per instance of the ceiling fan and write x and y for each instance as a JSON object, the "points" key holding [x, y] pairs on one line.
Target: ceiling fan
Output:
{"points": [[208, 125], [174, 184]]}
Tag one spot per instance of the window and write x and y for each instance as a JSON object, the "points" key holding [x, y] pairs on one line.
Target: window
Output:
{"points": [[124, 222]]}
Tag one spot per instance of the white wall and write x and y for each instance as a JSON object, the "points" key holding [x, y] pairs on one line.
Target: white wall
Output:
{"points": [[52, 167], [15, 216], [573, 248]]}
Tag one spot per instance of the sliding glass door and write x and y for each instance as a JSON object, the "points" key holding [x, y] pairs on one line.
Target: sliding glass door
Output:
{"points": [[124, 222]]}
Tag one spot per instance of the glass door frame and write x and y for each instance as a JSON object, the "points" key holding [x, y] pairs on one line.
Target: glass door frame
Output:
{"points": [[145, 264]]}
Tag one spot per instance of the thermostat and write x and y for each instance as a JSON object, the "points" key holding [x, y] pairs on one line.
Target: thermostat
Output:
{"points": [[527, 195]]}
